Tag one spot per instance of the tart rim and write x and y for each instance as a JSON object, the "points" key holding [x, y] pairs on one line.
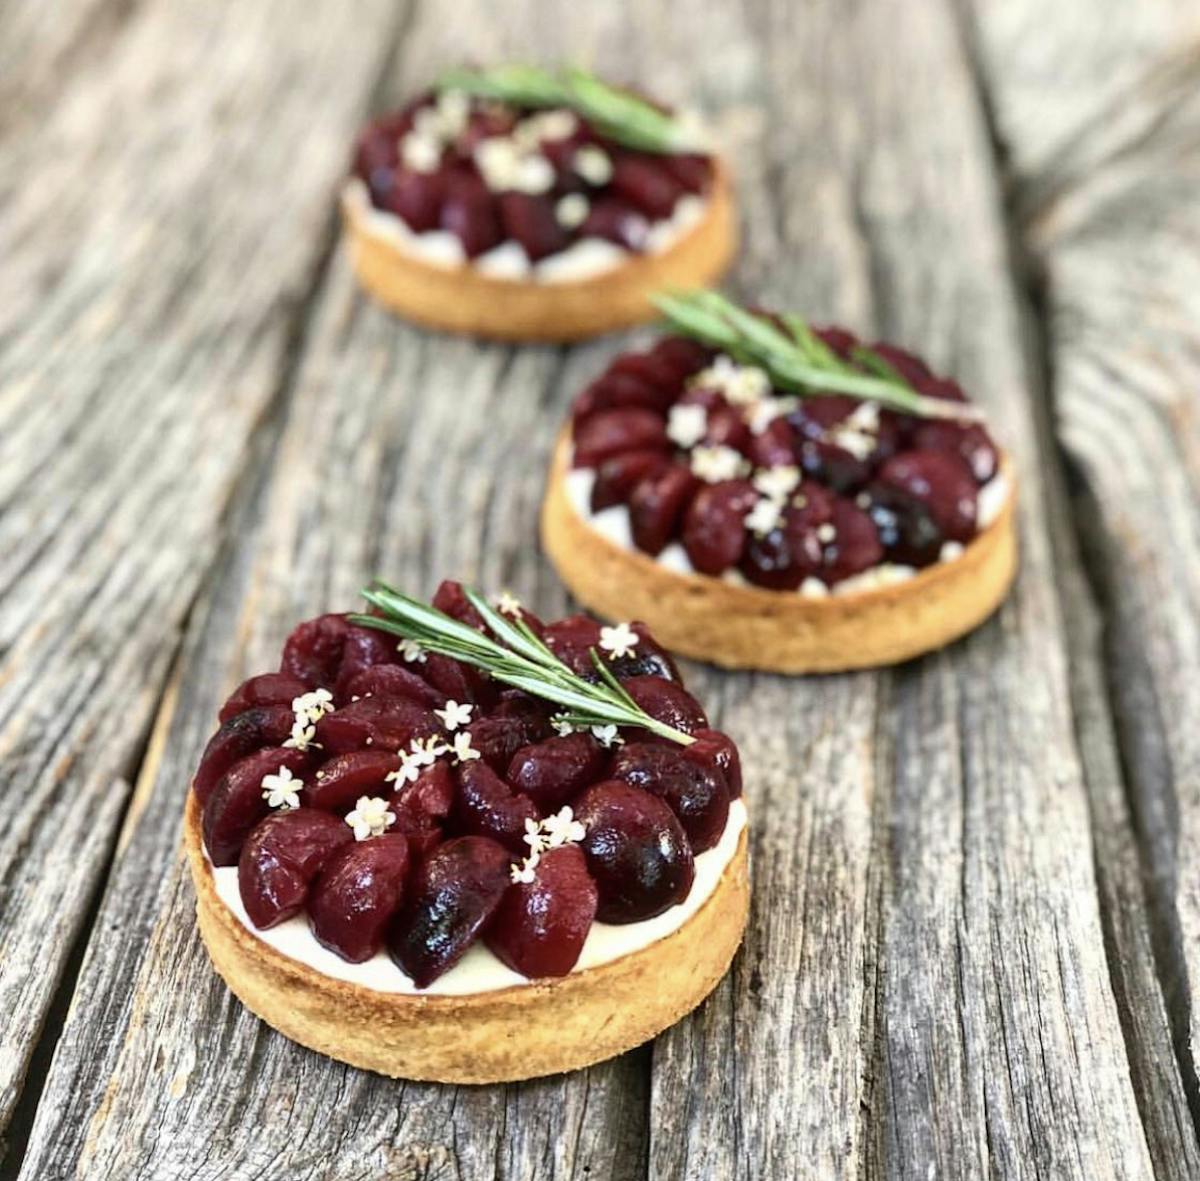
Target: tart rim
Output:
{"points": [[779, 631], [462, 299]]}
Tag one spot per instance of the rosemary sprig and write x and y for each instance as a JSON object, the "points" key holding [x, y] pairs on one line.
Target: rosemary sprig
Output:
{"points": [[514, 654], [615, 113], [798, 360]]}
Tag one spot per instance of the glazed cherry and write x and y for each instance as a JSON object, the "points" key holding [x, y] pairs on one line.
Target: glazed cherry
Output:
{"points": [[668, 702], [683, 355], [691, 171], [282, 855], [362, 649], [969, 441], [469, 213], [237, 804], [265, 689], [714, 530], [338, 782], [617, 391], [453, 680], [695, 791], [793, 551], [530, 221], [611, 432], [416, 198], [454, 893], [774, 446], [618, 475], [357, 894], [616, 220], [498, 738], [486, 806], [573, 639], [393, 680], [532, 712], [241, 735], [717, 751], [422, 806], [855, 545], [540, 927], [313, 652], [636, 852], [907, 531], [451, 598], [552, 771], [655, 370], [384, 723], [940, 481], [643, 182], [656, 505]]}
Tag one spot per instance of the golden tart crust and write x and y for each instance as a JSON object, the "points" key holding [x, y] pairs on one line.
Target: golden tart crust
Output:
{"points": [[778, 631]]}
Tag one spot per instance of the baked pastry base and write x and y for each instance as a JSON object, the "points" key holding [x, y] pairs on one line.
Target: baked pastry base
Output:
{"points": [[461, 299], [777, 631], [511, 1033]]}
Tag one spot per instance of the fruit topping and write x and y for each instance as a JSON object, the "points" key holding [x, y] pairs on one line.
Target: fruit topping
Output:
{"points": [[714, 530], [636, 852], [486, 806], [697, 793], [336, 784], [667, 701], [656, 504], [552, 771], [238, 737], [391, 680], [539, 927], [384, 723], [265, 689], [609, 432], [238, 801], [313, 652], [357, 894], [942, 483], [714, 749]]}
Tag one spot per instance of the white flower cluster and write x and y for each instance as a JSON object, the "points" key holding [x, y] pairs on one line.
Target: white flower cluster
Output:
{"points": [[607, 736], [412, 652], [714, 464], [774, 485], [543, 835], [687, 424], [282, 789], [742, 385], [618, 641], [433, 128], [424, 752], [309, 709], [370, 817]]}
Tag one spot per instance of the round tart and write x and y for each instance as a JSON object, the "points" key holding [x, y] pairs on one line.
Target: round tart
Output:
{"points": [[406, 863], [523, 205], [857, 517]]}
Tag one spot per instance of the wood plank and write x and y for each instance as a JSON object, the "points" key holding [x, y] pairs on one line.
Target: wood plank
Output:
{"points": [[151, 254]]}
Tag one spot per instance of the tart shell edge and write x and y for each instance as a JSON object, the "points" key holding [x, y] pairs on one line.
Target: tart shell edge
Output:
{"points": [[776, 631], [546, 1027], [461, 299]]}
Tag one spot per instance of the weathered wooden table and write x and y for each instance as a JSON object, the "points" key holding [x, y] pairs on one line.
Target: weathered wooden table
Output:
{"points": [[977, 894]]}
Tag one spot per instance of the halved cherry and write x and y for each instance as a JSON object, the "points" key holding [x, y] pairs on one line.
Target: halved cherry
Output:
{"points": [[540, 927], [265, 689], [281, 856], [696, 793], [364, 648], [684, 355], [393, 680], [237, 804], [646, 184], [615, 391], [469, 213], [384, 723], [783, 558], [313, 652], [717, 750], [533, 713], [416, 198], [969, 441], [551, 772], [617, 476], [616, 220], [727, 428], [338, 782], [451, 598], [458, 682], [855, 546], [636, 852], [453, 894], [774, 446], [357, 894], [529, 219], [572, 638], [906, 528], [424, 803], [611, 432], [241, 735], [667, 702], [656, 504], [690, 170], [650, 367], [498, 738], [714, 529], [486, 806], [940, 481]]}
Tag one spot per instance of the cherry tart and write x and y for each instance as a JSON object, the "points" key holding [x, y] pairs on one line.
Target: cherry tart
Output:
{"points": [[526, 218], [753, 527], [410, 867]]}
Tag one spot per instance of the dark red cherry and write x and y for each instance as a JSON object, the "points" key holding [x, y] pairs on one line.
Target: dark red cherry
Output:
{"points": [[910, 367], [357, 894], [695, 792], [667, 702], [425, 801], [969, 441], [364, 648], [469, 213], [265, 689], [774, 446], [455, 681], [552, 771], [338, 782], [393, 680], [241, 735], [486, 806], [282, 855], [530, 220], [618, 221], [684, 355], [717, 750], [237, 804], [838, 339], [498, 738], [451, 598], [645, 184], [783, 558], [617, 476], [649, 367], [727, 428], [453, 894], [942, 482], [714, 530], [855, 545], [656, 505], [907, 531], [313, 652], [382, 723], [416, 198], [570, 640], [611, 432], [833, 466], [690, 170], [540, 927], [636, 852], [615, 391], [532, 712]]}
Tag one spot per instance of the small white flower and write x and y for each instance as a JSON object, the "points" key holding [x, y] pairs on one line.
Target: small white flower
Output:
{"points": [[561, 726], [282, 789], [420, 152], [455, 715], [686, 425], [607, 736], [618, 641], [557, 123], [571, 210], [462, 750], [425, 751], [370, 817], [411, 651], [714, 464], [453, 109], [534, 174], [523, 874], [749, 385], [763, 517], [762, 413], [776, 482], [313, 706], [826, 533], [507, 604], [303, 733], [563, 829], [534, 837], [407, 772], [593, 164]]}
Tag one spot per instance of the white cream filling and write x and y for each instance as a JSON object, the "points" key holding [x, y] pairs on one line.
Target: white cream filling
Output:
{"points": [[479, 970], [583, 259], [613, 523]]}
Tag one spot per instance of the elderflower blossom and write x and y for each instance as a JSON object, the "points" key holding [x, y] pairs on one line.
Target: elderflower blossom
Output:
{"points": [[281, 790], [462, 750], [303, 734], [776, 483], [714, 464], [543, 835], [618, 641], [507, 604], [412, 652], [313, 706], [763, 517], [687, 424], [562, 829], [370, 817], [562, 727], [607, 736], [455, 715]]}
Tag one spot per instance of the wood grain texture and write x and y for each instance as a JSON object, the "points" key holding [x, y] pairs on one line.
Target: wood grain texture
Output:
{"points": [[949, 968]]}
